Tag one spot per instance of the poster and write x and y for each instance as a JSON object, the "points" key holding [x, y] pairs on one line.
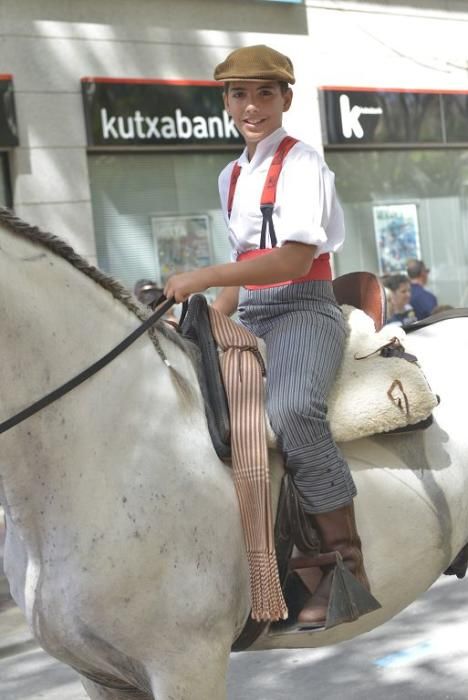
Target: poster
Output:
{"points": [[397, 236], [181, 243]]}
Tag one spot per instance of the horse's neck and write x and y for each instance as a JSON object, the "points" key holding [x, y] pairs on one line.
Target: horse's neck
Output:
{"points": [[57, 318], [122, 463], [56, 322]]}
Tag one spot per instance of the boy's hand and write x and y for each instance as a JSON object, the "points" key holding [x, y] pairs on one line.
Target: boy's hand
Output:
{"points": [[182, 285]]}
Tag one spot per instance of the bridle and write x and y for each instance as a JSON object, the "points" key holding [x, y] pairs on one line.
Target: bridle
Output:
{"points": [[89, 371]]}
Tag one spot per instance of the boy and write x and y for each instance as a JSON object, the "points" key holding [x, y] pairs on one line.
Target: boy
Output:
{"points": [[282, 289]]}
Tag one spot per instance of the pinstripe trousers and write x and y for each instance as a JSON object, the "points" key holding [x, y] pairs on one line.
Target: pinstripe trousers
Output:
{"points": [[304, 332]]}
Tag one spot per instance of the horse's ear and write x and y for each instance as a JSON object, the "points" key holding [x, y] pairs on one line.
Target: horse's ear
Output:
{"points": [[364, 291]]}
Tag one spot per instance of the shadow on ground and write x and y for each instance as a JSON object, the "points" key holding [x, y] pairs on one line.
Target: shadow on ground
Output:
{"points": [[420, 654]]}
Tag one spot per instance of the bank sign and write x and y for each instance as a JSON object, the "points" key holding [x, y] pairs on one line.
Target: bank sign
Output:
{"points": [[368, 116], [142, 112], [8, 125]]}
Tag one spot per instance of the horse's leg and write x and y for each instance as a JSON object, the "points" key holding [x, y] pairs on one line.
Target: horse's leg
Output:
{"points": [[182, 687], [200, 675], [98, 692]]}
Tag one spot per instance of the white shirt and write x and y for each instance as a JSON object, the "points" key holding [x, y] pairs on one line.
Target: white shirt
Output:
{"points": [[306, 209]]}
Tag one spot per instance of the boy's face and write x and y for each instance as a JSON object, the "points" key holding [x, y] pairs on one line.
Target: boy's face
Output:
{"points": [[257, 108]]}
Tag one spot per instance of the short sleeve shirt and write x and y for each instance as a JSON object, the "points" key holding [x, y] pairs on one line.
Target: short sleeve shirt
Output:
{"points": [[306, 208]]}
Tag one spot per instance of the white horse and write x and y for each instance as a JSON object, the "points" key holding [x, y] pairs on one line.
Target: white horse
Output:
{"points": [[124, 546]]}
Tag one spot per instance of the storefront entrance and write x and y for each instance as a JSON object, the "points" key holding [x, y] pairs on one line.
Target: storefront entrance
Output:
{"points": [[155, 213], [401, 163], [156, 150], [423, 192]]}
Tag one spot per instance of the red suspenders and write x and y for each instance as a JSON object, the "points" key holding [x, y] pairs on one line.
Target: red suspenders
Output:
{"points": [[232, 186], [268, 197], [271, 182], [320, 268], [236, 171]]}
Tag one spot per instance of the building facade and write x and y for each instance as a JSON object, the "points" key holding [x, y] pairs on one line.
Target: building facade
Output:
{"points": [[112, 132]]}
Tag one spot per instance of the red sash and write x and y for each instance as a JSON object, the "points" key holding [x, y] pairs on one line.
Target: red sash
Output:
{"points": [[319, 270]]}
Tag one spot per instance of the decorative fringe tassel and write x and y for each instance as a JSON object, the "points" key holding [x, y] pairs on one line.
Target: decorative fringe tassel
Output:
{"points": [[268, 603], [242, 374]]}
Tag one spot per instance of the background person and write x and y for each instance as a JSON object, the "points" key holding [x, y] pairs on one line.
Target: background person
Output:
{"points": [[400, 289], [422, 300], [148, 293]]}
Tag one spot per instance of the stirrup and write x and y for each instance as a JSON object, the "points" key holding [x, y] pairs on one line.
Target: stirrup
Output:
{"points": [[348, 600]]}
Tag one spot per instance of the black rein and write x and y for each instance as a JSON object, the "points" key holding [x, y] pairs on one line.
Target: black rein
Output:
{"points": [[85, 374]]}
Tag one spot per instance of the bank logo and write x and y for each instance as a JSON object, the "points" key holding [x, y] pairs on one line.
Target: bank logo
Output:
{"points": [[350, 117], [166, 128]]}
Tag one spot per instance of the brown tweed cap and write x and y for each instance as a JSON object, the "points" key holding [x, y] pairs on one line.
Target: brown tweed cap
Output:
{"points": [[258, 62]]}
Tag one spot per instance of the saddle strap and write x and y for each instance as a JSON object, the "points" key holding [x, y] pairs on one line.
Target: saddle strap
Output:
{"points": [[243, 379]]}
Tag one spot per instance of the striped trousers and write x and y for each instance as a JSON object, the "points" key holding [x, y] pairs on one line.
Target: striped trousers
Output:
{"points": [[304, 332]]}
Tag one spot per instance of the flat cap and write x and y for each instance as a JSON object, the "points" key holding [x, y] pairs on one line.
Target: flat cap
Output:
{"points": [[258, 62]]}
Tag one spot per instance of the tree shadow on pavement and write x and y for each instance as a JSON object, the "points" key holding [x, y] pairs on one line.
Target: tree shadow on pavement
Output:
{"points": [[419, 654]]}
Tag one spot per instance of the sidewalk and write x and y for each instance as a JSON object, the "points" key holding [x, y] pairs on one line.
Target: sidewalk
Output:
{"points": [[26, 671]]}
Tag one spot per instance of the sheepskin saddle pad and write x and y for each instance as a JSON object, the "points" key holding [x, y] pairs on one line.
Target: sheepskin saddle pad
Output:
{"points": [[379, 388]]}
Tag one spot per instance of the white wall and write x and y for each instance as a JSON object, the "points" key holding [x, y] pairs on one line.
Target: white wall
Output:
{"points": [[390, 45], [48, 45]]}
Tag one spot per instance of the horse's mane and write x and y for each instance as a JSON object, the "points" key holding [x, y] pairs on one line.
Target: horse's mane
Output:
{"points": [[65, 251]]}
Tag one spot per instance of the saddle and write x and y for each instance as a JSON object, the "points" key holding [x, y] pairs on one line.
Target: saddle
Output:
{"points": [[359, 291], [363, 291]]}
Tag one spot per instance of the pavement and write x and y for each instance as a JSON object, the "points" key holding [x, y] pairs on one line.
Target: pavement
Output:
{"points": [[421, 654]]}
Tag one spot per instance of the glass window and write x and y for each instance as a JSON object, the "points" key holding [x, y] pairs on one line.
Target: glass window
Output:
{"points": [[157, 212], [436, 183]]}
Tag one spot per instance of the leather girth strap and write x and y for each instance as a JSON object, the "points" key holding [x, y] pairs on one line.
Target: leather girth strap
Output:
{"points": [[242, 370]]}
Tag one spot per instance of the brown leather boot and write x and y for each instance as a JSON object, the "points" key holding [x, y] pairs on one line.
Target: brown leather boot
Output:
{"points": [[337, 531]]}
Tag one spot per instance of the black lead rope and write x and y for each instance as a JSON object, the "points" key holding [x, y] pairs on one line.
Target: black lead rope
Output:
{"points": [[87, 373]]}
